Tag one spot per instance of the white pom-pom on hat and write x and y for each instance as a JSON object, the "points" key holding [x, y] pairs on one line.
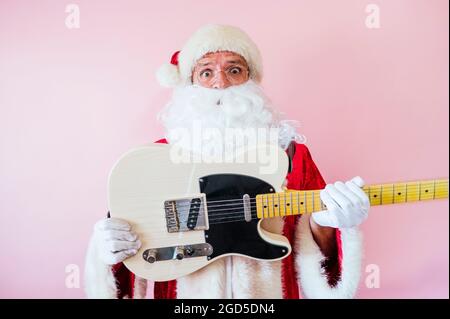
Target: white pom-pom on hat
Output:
{"points": [[168, 74]]}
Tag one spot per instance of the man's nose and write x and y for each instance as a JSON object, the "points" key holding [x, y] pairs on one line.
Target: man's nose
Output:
{"points": [[221, 81]]}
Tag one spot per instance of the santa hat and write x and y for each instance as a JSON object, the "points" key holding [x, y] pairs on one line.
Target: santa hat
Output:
{"points": [[210, 38]]}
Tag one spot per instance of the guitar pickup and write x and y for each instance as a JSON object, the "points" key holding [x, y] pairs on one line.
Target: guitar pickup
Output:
{"points": [[186, 214]]}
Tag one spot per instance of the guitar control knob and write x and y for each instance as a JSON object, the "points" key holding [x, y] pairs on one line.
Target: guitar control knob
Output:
{"points": [[149, 255], [179, 253], [189, 250]]}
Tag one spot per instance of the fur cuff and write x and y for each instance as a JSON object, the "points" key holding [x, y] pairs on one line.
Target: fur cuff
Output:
{"points": [[312, 277], [140, 288], [99, 280]]}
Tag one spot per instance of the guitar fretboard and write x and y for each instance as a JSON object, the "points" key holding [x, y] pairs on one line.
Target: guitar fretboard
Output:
{"points": [[301, 202]]}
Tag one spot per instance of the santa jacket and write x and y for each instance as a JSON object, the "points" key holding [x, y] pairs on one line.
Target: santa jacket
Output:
{"points": [[304, 273]]}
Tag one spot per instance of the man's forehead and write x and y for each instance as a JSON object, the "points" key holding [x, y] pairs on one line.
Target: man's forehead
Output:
{"points": [[228, 56]]}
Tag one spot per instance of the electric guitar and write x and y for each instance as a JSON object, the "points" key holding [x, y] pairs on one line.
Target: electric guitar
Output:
{"points": [[188, 215]]}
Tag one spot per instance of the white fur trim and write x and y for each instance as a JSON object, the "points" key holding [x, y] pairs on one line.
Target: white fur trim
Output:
{"points": [[208, 282], [312, 277], [213, 38], [288, 133], [253, 279], [236, 277], [140, 288], [99, 281], [233, 277], [168, 75]]}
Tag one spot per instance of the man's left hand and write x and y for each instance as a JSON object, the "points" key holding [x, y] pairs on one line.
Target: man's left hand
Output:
{"points": [[347, 205]]}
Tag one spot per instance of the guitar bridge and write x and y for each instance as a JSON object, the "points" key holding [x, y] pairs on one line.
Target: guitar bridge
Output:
{"points": [[186, 214]]}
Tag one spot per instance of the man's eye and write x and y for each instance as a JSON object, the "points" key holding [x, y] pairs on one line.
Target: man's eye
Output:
{"points": [[235, 70], [205, 74]]}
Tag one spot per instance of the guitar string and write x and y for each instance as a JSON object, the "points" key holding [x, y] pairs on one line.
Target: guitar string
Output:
{"points": [[229, 219], [251, 201], [309, 192], [238, 218], [287, 207], [275, 199], [441, 186], [295, 198], [275, 202], [234, 214], [253, 205]]}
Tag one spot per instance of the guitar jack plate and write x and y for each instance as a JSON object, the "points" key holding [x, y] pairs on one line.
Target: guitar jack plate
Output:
{"points": [[153, 255]]}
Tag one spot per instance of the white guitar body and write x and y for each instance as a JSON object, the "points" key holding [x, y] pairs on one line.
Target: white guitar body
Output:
{"points": [[145, 180]]}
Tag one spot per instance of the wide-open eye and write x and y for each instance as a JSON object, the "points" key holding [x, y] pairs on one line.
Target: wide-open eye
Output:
{"points": [[235, 70], [206, 73]]}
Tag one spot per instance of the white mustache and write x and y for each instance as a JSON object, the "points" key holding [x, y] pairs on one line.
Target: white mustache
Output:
{"points": [[242, 106]]}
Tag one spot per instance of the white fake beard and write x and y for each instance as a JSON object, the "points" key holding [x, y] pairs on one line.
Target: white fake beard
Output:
{"points": [[213, 112]]}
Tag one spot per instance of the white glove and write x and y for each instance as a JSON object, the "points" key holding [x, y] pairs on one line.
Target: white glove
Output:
{"points": [[347, 204], [114, 240]]}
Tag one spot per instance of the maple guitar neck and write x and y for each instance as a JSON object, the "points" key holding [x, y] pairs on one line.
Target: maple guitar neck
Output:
{"points": [[293, 202]]}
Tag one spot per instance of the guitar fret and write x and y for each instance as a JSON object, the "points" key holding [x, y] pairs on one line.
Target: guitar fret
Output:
{"points": [[267, 205], [262, 206], [280, 209], [291, 204], [271, 205], [304, 203], [406, 192], [381, 195], [313, 201], [420, 191], [277, 206], [393, 194], [434, 189]]}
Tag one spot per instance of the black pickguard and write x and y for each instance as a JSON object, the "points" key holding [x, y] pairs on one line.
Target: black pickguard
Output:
{"points": [[240, 237]]}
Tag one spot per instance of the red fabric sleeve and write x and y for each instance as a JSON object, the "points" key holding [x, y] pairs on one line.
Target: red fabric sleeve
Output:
{"points": [[124, 281], [303, 176], [162, 141], [306, 176]]}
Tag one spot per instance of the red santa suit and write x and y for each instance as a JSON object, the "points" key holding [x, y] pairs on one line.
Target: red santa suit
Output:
{"points": [[305, 273]]}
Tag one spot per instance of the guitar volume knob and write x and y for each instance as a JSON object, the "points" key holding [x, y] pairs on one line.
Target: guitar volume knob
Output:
{"points": [[149, 255], [189, 250], [179, 252]]}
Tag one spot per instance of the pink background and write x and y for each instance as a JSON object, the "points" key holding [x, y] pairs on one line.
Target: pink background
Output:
{"points": [[372, 102]]}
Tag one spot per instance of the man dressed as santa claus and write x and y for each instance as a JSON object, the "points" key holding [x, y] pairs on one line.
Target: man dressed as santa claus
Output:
{"points": [[216, 78]]}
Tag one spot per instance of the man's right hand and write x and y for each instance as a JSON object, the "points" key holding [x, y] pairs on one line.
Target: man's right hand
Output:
{"points": [[115, 241]]}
